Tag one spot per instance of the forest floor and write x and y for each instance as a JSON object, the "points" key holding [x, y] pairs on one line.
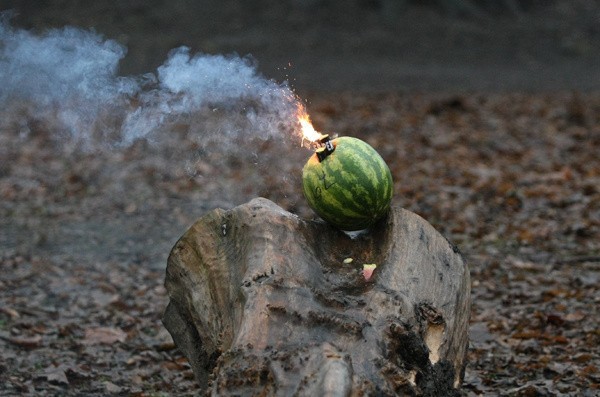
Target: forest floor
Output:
{"points": [[513, 180], [510, 175]]}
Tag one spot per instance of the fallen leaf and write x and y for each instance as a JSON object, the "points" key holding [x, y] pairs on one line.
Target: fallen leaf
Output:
{"points": [[56, 376], [555, 319], [574, 317], [561, 339], [112, 388], [78, 373], [26, 342], [582, 358], [589, 370], [104, 336], [173, 366], [12, 313]]}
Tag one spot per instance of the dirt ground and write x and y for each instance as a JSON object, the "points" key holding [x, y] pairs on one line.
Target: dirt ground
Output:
{"points": [[491, 127]]}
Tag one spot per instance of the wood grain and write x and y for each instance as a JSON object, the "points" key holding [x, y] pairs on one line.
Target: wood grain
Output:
{"points": [[261, 302]]}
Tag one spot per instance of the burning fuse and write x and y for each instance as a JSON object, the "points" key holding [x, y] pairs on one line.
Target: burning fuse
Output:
{"points": [[321, 142]]}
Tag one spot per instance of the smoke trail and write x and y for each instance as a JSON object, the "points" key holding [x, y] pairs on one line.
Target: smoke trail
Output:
{"points": [[188, 85], [67, 79], [63, 63]]}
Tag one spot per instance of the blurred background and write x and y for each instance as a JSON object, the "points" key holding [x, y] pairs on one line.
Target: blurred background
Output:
{"points": [[487, 113], [367, 45]]}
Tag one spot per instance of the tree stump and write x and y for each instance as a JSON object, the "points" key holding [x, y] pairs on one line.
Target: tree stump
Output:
{"points": [[265, 303]]}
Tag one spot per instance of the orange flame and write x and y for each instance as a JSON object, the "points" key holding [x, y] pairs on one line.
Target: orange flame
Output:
{"points": [[308, 131]]}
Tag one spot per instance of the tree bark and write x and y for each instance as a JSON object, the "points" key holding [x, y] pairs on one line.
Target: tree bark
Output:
{"points": [[265, 303]]}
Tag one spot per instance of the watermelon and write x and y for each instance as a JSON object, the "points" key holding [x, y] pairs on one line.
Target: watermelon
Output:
{"points": [[351, 188]]}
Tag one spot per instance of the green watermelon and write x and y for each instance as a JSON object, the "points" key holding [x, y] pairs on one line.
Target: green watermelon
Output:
{"points": [[351, 188]]}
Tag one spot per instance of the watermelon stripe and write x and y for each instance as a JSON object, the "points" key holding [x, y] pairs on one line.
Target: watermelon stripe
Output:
{"points": [[327, 199], [363, 176], [334, 170], [356, 198], [331, 205], [353, 188], [374, 177], [335, 212], [366, 188]]}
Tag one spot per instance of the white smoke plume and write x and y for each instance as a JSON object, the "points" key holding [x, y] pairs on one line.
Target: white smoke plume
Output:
{"points": [[68, 79]]}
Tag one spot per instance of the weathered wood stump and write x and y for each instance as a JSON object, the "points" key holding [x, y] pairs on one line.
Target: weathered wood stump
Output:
{"points": [[262, 303]]}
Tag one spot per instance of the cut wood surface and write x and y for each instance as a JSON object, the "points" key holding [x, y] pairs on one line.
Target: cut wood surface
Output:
{"points": [[264, 302]]}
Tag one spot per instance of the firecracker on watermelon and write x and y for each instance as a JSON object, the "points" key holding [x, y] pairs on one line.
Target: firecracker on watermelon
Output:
{"points": [[350, 186]]}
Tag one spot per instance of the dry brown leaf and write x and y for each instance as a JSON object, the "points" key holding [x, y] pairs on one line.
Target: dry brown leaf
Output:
{"points": [[26, 342], [112, 388], [12, 313], [574, 317], [104, 336], [56, 376]]}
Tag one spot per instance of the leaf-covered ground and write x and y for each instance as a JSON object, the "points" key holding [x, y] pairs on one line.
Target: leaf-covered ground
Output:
{"points": [[512, 179]]}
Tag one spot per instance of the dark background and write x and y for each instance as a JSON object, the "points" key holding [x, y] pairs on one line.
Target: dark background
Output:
{"points": [[366, 45]]}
